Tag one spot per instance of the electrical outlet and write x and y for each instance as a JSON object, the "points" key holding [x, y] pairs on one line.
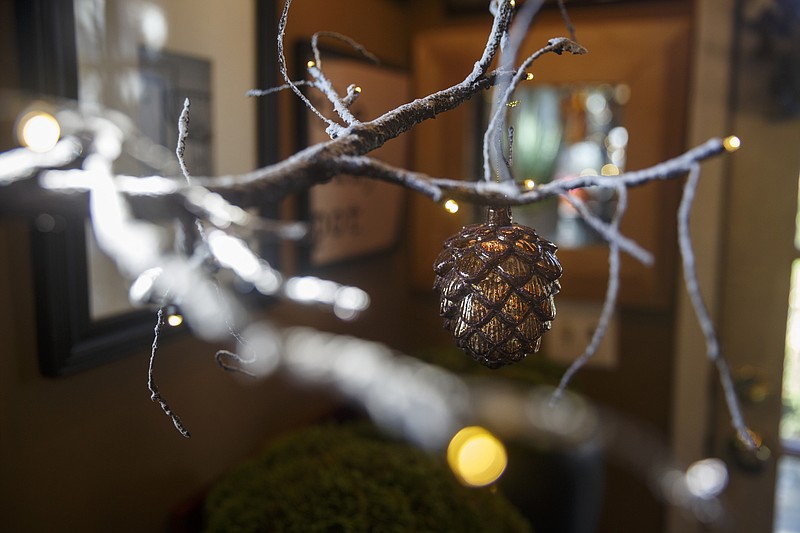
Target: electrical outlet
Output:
{"points": [[572, 332]]}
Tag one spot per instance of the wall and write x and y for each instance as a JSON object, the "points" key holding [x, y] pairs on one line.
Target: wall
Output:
{"points": [[91, 452], [639, 387]]}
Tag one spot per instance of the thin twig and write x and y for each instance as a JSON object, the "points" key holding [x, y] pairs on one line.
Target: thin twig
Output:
{"points": [[284, 87], [493, 153], [183, 132], [609, 304], [221, 355], [703, 316], [502, 18], [325, 86], [492, 145], [609, 233], [180, 153], [155, 395], [564, 15], [358, 47], [334, 127]]}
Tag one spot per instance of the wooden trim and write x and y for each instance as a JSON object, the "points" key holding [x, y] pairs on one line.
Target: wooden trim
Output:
{"points": [[644, 48]]}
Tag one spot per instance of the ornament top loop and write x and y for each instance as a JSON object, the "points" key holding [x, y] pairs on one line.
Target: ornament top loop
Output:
{"points": [[499, 216]]}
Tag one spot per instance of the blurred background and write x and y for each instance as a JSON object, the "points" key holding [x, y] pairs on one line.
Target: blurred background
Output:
{"points": [[83, 448]]}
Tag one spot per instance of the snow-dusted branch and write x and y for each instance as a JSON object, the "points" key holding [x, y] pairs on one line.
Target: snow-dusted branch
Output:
{"points": [[610, 302], [492, 140], [703, 317], [499, 32], [303, 170], [335, 128], [352, 43], [393, 388]]}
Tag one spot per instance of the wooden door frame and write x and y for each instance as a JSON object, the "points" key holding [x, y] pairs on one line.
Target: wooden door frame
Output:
{"points": [[744, 265]]}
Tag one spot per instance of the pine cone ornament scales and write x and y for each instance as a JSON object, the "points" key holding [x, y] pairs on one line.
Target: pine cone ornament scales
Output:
{"points": [[496, 283]]}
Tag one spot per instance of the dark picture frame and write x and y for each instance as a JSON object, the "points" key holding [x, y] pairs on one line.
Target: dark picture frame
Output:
{"points": [[69, 340]]}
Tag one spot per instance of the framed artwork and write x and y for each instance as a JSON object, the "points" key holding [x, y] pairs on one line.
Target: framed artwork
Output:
{"points": [[639, 91], [81, 321], [352, 217]]}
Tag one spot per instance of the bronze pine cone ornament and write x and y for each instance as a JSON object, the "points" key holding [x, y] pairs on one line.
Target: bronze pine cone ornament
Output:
{"points": [[496, 283]]}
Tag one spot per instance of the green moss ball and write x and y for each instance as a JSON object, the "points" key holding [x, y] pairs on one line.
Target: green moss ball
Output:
{"points": [[349, 479]]}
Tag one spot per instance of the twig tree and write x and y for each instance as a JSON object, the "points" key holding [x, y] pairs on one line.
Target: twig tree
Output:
{"points": [[213, 225]]}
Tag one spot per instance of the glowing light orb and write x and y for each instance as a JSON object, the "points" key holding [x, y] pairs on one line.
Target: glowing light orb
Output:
{"points": [[476, 457], [732, 143], [38, 131], [609, 170], [707, 478], [451, 206], [175, 320]]}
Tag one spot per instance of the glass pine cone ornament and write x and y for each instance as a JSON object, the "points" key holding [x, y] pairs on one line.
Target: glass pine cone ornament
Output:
{"points": [[496, 283]]}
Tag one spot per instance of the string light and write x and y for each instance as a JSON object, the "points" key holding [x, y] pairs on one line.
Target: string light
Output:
{"points": [[310, 64], [530, 184], [513, 103], [476, 457], [609, 169], [732, 143], [451, 206], [357, 89], [528, 76], [39, 131], [175, 320]]}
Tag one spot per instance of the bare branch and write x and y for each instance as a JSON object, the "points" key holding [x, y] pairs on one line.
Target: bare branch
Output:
{"points": [[155, 395], [285, 86], [358, 47], [703, 317], [332, 126], [183, 132], [326, 87], [187, 277], [368, 167], [502, 18], [492, 140], [609, 232], [570, 28], [353, 92], [610, 302], [20, 163]]}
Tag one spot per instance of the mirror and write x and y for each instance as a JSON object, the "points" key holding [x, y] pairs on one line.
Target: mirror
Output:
{"points": [[563, 131], [643, 87], [71, 50]]}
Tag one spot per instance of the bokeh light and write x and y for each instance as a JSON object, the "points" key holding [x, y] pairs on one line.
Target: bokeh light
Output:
{"points": [[175, 320], [451, 206], [38, 131], [732, 143], [476, 457], [707, 478]]}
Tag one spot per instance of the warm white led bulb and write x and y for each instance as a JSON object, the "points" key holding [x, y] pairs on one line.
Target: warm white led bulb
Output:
{"points": [[476, 456], [39, 131], [175, 320], [732, 143]]}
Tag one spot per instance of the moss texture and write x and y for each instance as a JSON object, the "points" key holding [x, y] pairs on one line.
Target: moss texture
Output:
{"points": [[348, 479]]}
